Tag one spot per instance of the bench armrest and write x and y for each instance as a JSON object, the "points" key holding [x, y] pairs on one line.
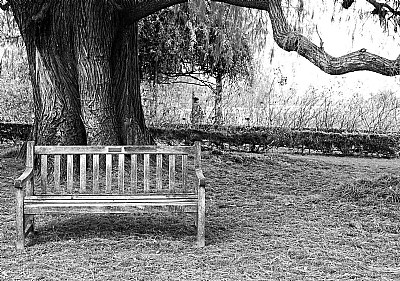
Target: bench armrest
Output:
{"points": [[200, 177], [27, 175]]}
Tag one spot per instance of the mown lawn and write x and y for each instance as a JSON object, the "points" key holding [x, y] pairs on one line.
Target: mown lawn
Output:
{"points": [[269, 217]]}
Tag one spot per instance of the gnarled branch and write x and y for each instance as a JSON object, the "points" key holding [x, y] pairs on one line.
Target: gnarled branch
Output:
{"points": [[290, 40]]}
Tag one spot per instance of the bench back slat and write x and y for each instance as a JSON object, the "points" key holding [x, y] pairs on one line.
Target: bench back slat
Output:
{"points": [[82, 173], [70, 173], [146, 171], [171, 172], [184, 172], [134, 178], [108, 172], [96, 173], [159, 171], [57, 167], [43, 173], [121, 170]]}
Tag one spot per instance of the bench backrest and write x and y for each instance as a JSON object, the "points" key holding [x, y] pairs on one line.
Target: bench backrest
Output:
{"points": [[114, 169]]}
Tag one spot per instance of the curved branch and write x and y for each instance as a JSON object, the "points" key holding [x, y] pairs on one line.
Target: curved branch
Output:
{"points": [[146, 8], [290, 40]]}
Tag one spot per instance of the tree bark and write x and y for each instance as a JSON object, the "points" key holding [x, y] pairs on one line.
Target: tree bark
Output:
{"points": [[55, 90], [126, 85], [94, 34], [84, 70]]}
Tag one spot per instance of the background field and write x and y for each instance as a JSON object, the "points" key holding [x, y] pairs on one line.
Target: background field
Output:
{"points": [[269, 217]]}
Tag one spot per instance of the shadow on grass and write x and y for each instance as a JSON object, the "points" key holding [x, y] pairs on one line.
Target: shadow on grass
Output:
{"points": [[53, 228]]}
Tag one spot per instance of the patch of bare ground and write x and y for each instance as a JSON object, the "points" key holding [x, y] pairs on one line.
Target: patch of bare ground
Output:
{"points": [[269, 217]]}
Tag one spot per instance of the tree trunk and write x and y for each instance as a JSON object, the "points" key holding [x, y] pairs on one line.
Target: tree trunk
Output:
{"points": [[126, 85], [94, 34], [55, 88], [84, 71], [218, 101]]}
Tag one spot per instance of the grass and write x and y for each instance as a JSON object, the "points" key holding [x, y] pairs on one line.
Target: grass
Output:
{"points": [[269, 217]]}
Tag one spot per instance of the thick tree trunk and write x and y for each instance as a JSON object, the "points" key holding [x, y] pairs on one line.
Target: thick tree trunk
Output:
{"points": [[218, 101], [55, 89], [94, 34], [84, 71]]}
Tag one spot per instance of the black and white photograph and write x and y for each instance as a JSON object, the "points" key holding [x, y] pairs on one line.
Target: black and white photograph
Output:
{"points": [[211, 140]]}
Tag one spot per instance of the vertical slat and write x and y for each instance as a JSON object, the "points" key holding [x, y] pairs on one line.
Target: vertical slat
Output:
{"points": [[57, 163], [146, 169], [70, 173], [171, 172], [159, 172], [184, 172], [108, 172], [134, 173], [29, 164], [121, 168], [43, 173], [82, 173], [95, 173]]}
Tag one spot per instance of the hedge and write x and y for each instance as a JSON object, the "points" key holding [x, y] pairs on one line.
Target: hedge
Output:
{"points": [[259, 139]]}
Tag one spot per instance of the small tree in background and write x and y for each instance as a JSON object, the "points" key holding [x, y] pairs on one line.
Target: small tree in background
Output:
{"points": [[180, 41]]}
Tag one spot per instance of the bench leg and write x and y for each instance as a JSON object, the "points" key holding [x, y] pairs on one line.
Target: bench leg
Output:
{"points": [[201, 218], [19, 216], [29, 224]]}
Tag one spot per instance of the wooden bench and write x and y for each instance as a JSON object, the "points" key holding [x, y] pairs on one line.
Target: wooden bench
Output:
{"points": [[109, 179]]}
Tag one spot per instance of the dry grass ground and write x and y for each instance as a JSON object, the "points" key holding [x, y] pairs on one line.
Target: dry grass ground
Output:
{"points": [[269, 217]]}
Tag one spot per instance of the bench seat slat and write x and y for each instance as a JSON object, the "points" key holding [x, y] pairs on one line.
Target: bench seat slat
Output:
{"points": [[72, 203], [111, 197], [116, 208]]}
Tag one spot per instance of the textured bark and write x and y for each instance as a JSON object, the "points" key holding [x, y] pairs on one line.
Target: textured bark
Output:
{"points": [[55, 91], [126, 85], [94, 34], [84, 70]]}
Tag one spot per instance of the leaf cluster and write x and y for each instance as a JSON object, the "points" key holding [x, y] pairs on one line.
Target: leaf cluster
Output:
{"points": [[210, 39]]}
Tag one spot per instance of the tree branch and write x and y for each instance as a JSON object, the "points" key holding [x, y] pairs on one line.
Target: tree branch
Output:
{"points": [[146, 8], [289, 40]]}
